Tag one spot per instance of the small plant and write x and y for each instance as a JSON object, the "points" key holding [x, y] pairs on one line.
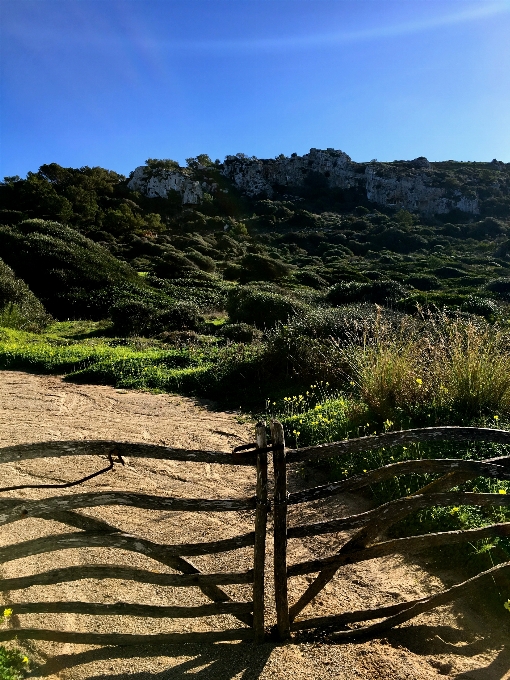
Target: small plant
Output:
{"points": [[13, 664]]}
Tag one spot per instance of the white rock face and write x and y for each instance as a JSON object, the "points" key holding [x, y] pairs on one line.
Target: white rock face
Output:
{"points": [[257, 176], [409, 186], [414, 193], [164, 181]]}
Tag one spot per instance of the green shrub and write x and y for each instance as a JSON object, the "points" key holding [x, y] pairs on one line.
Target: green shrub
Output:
{"points": [[19, 307], [500, 286], [397, 240], [308, 277], [261, 268], [260, 308], [64, 269], [182, 316], [447, 272], [174, 265], [13, 664], [132, 317], [380, 292], [239, 332], [136, 317], [487, 228], [203, 262], [423, 282], [480, 306]]}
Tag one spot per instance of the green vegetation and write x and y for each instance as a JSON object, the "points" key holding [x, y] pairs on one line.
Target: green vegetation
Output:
{"points": [[12, 664], [347, 317]]}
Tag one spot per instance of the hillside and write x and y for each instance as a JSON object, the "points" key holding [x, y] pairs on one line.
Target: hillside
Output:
{"points": [[439, 231], [213, 261], [345, 299]]}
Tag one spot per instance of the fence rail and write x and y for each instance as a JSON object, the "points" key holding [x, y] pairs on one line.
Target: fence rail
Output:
{"points": [[370, 525], [366, 541], [98, 533]]}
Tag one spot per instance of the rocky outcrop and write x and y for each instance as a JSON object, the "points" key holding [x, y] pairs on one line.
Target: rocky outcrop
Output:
{"points": [[414, 192], [160, 182], [256, 176], [416, 185], [405, 184]]}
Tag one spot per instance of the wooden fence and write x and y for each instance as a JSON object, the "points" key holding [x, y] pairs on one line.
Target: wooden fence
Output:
{"points": [[364, 543], [97, 533]]}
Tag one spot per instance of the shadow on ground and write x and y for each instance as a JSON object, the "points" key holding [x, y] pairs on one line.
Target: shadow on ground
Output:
{"points": [[207, 662]]}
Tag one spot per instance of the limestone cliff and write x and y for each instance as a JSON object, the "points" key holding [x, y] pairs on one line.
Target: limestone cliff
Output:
{"points": [[159, 183], [408, 185], [417, 185]]}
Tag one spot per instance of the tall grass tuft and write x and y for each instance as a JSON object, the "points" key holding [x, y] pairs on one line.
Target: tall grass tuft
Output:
{"points": [[440, 371]]}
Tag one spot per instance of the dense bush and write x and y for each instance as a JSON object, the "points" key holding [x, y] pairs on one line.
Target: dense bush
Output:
{"points": [[132, 317], [500, 286], [259, 307], [135, 317], [239, 332], [182, 316], [19, 307], [261, 268], [174, 265], [380, 292], [480, 306], [423, 282], [310, 278], [66, 270]]}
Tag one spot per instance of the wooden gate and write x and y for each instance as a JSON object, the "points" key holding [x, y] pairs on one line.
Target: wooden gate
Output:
{"points": [[363, 544], [97, 533]]}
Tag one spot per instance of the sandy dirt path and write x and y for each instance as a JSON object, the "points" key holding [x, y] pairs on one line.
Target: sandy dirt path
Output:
{"points": [[451, 642]]}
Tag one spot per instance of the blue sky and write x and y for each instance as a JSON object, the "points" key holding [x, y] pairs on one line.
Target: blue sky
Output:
{"points": [[114, 82]]}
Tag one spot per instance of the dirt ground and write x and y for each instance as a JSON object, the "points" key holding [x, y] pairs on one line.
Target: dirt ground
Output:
{"points": [[455, 641]]}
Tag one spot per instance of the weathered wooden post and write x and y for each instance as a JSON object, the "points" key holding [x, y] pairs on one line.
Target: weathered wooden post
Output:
{"points": [[259, 557], [280, 530]]}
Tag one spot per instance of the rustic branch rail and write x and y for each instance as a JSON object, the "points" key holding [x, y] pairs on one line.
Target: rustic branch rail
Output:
{"points": [[370, 525], [474, 467], [373, 523], [388, 514], [409, 544], [409, 609], [49, 506], [422, 606], [156, 551], [98, 533], [60, 449], [425, 434]]}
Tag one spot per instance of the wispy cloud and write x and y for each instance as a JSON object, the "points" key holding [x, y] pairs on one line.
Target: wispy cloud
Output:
{"points": [[331, 39], [32, 34]]}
